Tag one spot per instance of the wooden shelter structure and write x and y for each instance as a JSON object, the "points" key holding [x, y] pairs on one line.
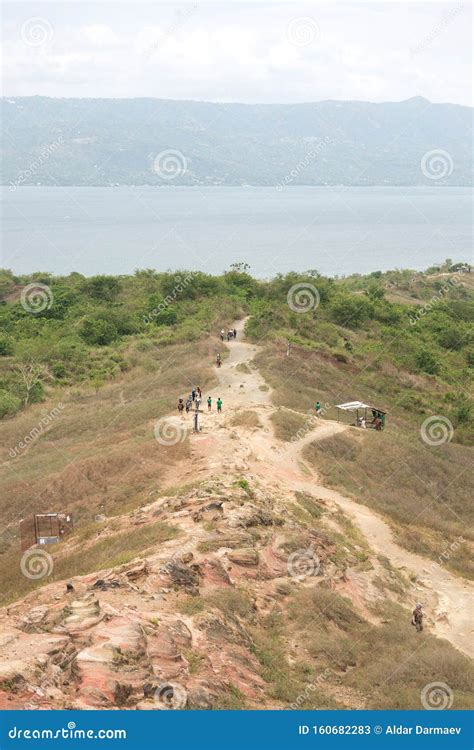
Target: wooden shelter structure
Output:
{"points": [[365, 415], [44, 528]]}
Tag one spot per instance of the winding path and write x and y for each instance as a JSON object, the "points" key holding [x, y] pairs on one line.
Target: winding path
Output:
{"points": [[274, 462]]}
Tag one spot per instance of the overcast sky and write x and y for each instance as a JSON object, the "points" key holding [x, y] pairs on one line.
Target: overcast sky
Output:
{"points": [[230, 51]]}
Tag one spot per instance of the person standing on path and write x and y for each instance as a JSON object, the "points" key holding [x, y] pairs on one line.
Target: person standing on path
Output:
{"points": [[219, 405], [417, 618], [235, 333], [209, 403], [317, 406]]}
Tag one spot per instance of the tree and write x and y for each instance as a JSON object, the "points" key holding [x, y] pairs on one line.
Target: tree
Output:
{"points": [[375, 292], [98, 331], [350, 311], [102, 287], [240, 267], [32, 374]]}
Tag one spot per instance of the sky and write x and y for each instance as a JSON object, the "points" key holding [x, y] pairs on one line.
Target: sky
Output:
{"points": [[239, 51]]}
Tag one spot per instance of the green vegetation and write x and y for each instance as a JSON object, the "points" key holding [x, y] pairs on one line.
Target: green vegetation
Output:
{"points": [[92, 330], [115, 352], [230, 143], [406, 345]]}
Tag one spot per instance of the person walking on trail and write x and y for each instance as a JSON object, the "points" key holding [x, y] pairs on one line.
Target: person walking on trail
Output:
{"points": [[188, 404], [219, 405], [222, 335], [209, 403], [180, 406], [218, 360], [235, 333], [193, 394], [417, 618], [199, 392], [317, 406]]}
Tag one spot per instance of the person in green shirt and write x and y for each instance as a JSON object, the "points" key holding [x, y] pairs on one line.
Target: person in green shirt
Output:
{"points": [[219, 404], [209, 403], [317, 406]]}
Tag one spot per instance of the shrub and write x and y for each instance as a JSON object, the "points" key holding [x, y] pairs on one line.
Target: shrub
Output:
{"points": [[350, 311], [102, 287], [6, 346], [98, 331], [9, 404], [427, 362]]}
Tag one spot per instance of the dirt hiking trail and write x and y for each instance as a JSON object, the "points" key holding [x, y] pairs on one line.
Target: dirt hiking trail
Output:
{"points": [[225, 446]]}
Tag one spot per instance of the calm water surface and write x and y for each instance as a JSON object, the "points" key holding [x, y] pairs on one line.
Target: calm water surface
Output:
{"points": [[335, 230]]}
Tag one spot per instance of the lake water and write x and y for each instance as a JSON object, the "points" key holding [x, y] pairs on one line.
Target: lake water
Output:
{"points": [[334, 230]]}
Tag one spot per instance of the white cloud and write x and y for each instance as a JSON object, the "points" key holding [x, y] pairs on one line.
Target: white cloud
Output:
{"points": [[100, 35], [241, 52]]}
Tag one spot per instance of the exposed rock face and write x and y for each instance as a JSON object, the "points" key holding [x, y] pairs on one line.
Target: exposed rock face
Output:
{"points": [[246, 556], [171, 630], [82, 614]]}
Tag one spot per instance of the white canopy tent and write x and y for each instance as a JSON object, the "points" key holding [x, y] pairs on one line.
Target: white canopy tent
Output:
{"points": [[360, 408], [353, 406]]}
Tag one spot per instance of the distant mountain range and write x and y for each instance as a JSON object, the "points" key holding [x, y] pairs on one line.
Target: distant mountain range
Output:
{"points": [[165, 142]]}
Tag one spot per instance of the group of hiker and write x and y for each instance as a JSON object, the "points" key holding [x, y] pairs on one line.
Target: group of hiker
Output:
{"points": [[231, 334], [194, 401]]}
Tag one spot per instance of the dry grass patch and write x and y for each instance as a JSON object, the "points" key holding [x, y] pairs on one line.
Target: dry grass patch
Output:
{"points": [[424, 492], [288, 424], [246, 419], [99, 455], [106, 553], [389, 664]]}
